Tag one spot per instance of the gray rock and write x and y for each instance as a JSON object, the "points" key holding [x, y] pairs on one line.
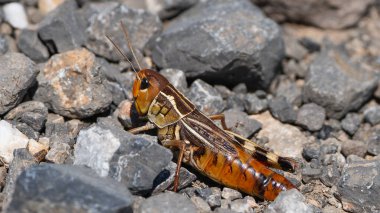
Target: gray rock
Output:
{"points": [[240, 123], [26, 130], [372, 115], [18, 73], [206, 98], [245, 205], [64, 188], [130, 159], [330, 175], [62, 29], [293, 48], [309, 174], [214, 200], [167, 202], [223, 210], [3, 175], [240, 88], [71, 85], [290, 91], [311, 117], [59, 133], [201, 204], [374, 143], [32, 113], [236, 102], [351, 123], [21, 161], [354, 147], [335, 15], [141, 26], [204, 193], [282, 110], [311, 151], [288, 202], [227, 42], [359, 186], [4, 46], [29, 43], [165, 180], [224, 91], [176, 77], [254, 104], [231, 194], [333, 83], [58, 153], [168, 9]]}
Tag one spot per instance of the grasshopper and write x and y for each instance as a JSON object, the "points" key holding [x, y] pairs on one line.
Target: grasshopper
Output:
{"points": [[218, 153]]}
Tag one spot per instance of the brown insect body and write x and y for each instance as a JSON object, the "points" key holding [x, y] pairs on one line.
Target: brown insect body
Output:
{"points": [[206, 147], [220, 154]]}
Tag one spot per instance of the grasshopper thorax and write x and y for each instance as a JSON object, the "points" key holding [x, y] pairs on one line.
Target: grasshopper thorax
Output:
{"points": [[147, 85]]}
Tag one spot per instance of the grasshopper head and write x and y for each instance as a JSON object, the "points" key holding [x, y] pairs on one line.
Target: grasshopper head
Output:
{"points": [[147, 85]]}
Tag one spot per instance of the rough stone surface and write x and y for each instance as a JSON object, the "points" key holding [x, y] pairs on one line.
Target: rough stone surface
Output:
{"points": [[227, 41], [282, 110], [165, 179], [351, 123], [289, 201], [311, 117], [71, 85], [352, 147], [176, 77], [141, 26], [336, 14], [22, 160], [10, 140], [359, 186], [131, 160], [40, 188], [168, 9], [290, 91], [254, 104], [167, 202], [284, 139], [231, 194], [32, 113], [372, 115], [62, 29], [333, 83], [206, 98], [240, 123], [201, 204], [246, 205], [18, 73], [29, 43]]}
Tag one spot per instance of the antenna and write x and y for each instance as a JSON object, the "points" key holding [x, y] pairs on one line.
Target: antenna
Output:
{"points": [[130, 44], [122, 54]]}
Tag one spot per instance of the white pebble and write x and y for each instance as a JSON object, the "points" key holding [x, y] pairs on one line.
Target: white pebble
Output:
{"points": [[15, 14], [11, 139]]}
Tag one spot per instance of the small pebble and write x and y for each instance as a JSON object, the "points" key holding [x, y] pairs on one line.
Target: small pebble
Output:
{"points": [[15, 15], [230, 194]]}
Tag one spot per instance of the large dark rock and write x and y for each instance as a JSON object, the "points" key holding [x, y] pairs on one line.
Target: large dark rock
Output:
{"points": [[359, 186], [223, 41], [133, 160], [335, 84], [282, 110], [71, 84], [64, 188], [325, 14], [141, 26], [62, 29], [18, 73]]}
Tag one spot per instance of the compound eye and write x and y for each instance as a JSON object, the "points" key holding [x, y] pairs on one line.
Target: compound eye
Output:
{"points": [[144, 84]]}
